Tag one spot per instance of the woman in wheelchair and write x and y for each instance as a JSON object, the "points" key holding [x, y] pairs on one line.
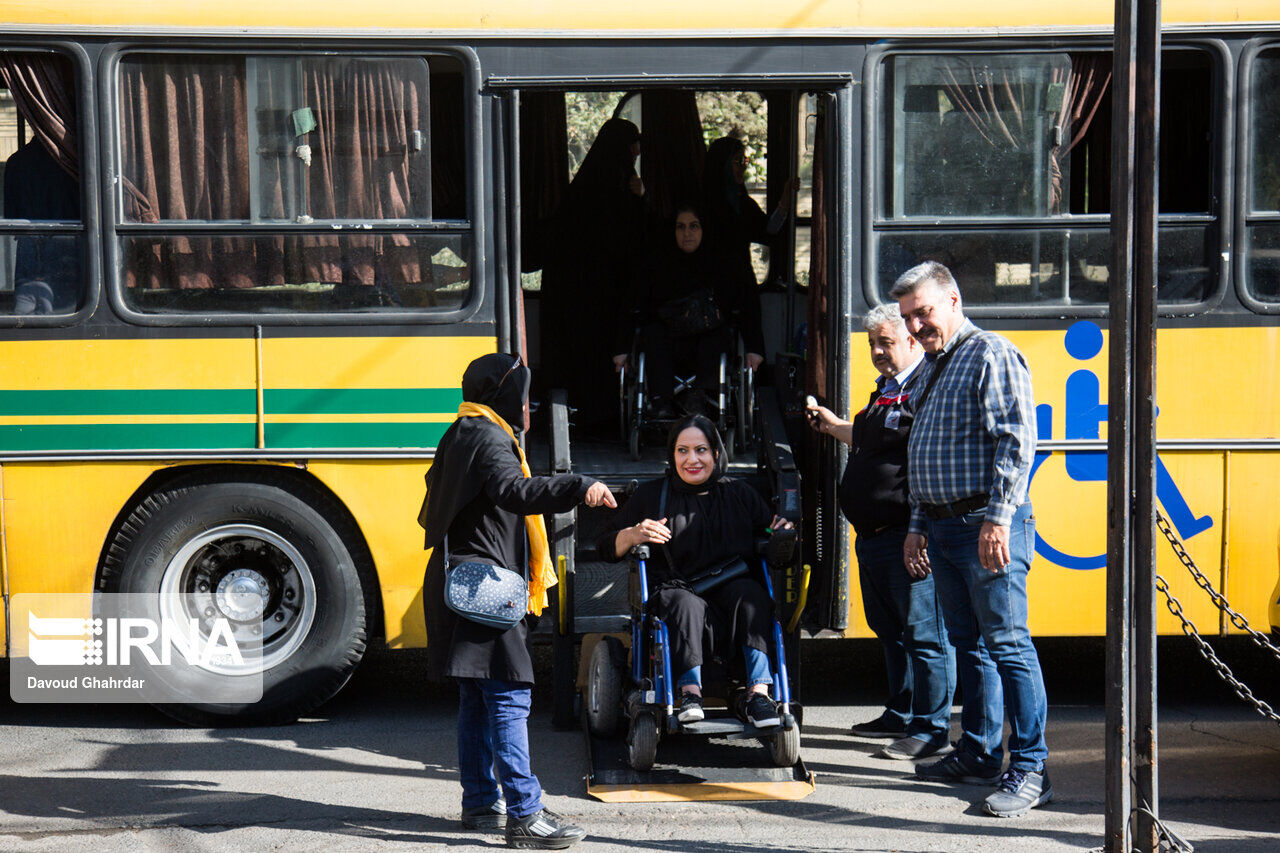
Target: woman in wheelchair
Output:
{"points": [[697, 519], [684, 304]]}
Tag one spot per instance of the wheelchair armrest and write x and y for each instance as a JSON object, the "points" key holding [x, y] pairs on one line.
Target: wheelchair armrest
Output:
{"points": [[779, 548], [639, 552]]}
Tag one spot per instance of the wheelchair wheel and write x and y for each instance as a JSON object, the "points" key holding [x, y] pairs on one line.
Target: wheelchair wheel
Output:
{"points": [[624, 399], [729, 445], [635, 442], [604, 689], [642, 741], [745, 403], [784, 746]]}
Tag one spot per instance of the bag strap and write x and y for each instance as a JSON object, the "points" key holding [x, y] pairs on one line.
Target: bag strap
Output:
{"points": [[940, 365], [524, 567]]}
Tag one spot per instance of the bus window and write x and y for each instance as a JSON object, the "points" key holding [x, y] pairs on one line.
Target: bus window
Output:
{"points": [[41, 244], [292, 184], [1262, 221], [999, 167]]}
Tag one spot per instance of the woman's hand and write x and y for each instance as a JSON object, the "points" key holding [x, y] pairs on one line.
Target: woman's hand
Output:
{"points": [[754, 360], [787, 201], [599, 495], [620, 362], [780, 523], [647, 532]]}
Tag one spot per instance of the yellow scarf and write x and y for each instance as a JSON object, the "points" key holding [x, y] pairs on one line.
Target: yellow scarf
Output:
{"points": [[542, 575]]}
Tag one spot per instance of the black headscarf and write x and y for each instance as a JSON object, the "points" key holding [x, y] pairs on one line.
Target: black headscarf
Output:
{"points": [[609, 164], [709, 430], [501, 382], [723, 193]]}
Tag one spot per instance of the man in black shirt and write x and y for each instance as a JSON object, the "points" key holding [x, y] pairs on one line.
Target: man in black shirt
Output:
{"points": [[901, 610]]}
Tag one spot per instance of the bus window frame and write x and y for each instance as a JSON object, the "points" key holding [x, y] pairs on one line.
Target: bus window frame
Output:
{"points": [[90, 226], [1244, 176], [1222, 106], [473, 228]]}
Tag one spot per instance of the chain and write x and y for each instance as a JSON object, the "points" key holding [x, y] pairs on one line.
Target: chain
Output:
{"points": [[1204, 583], [1224, 672]]}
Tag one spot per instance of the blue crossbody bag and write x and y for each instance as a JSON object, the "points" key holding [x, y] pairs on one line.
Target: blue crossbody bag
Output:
{"points": [[485, 594]]}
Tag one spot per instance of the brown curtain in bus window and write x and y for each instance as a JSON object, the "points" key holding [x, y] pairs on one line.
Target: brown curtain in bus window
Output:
{"points": [[672, 149], [816, 325], [1085, 88], [544, 171], [365, 113], [185, 156], [43, 90]]}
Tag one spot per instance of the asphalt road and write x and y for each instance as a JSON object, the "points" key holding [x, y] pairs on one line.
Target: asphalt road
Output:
{"points": [[375, 770]]}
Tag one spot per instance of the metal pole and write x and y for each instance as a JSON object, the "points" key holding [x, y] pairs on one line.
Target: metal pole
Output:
{"points": [[1119, 805], [1146, 202]]}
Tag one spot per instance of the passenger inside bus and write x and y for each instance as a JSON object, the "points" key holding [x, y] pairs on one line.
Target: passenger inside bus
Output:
{"points": [[733, 219], [686, 309], [41, 183], [594, 244]]}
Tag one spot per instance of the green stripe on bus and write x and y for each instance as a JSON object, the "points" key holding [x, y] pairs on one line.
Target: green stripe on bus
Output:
{"points": [[220, 401], [352, 401], [408, 435], [128, 437]]}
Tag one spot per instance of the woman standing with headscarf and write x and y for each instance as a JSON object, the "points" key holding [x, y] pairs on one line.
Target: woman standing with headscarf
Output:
{"points": [[595, 242], [483, 506], [734, 221]]}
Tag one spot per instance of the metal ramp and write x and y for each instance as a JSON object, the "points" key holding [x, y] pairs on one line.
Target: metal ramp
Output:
{"points": [[591, 599]]}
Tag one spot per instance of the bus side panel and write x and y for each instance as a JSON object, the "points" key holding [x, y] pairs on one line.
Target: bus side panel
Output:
{"points": [[384, 392], [384, 498], [1253, 537], [57, 516]]}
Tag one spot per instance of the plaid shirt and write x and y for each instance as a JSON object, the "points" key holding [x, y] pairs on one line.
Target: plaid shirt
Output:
{"points": [[975, 434]]}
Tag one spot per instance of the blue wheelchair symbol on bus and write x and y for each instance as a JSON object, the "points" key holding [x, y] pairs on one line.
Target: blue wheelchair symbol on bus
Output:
{"points": [[1085, 412]]}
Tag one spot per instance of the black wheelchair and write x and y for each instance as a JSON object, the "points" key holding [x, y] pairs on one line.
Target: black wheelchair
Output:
{"points": [[641, 689], [734, 398]]}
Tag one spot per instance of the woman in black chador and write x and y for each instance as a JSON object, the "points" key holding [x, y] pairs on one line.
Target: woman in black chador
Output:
{"points": [[697, 518], [734, 221], [676, 271], [483, 506], [593, 249]]}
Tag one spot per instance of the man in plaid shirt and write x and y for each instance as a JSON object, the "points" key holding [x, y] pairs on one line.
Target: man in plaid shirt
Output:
{"points": [[969, 469]]}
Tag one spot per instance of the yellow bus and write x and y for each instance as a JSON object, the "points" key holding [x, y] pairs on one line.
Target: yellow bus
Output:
{"points": [[247, 249]]}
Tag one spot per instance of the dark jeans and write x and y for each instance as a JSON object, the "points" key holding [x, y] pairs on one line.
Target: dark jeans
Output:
{"points": [[905, 615], [662, 353], [493, 733], [986, 614]]}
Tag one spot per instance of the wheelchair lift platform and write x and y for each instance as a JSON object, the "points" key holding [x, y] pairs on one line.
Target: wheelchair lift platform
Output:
{"points": [[693, 769]]}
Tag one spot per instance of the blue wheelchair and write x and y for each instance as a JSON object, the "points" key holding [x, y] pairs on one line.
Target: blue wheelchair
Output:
{"points": [[641, 690]]}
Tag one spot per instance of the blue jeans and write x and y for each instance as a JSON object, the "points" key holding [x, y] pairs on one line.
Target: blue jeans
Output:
{"points": [[905, 615], [757, 670], [493, 732], [986, 615]]}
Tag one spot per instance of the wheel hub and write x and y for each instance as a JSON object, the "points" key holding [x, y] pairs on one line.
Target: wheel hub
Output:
{"points": [[242, 595]]}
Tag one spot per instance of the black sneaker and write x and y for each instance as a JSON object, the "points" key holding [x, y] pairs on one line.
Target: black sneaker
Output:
{"points": [[910, 748], [761, 712], [543, 830], [958, 766], [879, 727], [491, 816], [690, 708]]}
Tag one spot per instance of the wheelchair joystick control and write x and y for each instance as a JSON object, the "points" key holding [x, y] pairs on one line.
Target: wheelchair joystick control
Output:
{"points": [[640, 552]]}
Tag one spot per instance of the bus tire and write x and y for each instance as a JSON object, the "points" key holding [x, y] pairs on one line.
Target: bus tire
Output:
{"points": [[302, 543]]}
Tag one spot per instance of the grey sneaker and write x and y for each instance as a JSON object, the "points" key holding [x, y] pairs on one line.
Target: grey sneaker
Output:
{"points": [[491, 816], [909, 748], [544, 830], [958, 766], [1020, 791]]}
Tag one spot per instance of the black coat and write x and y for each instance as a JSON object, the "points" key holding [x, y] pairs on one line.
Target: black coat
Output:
{"points": [[706, 529], [485, 496]]}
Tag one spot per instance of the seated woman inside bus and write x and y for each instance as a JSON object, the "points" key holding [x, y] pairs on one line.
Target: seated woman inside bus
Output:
{"points": [[684, 302], [695, 518]]}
